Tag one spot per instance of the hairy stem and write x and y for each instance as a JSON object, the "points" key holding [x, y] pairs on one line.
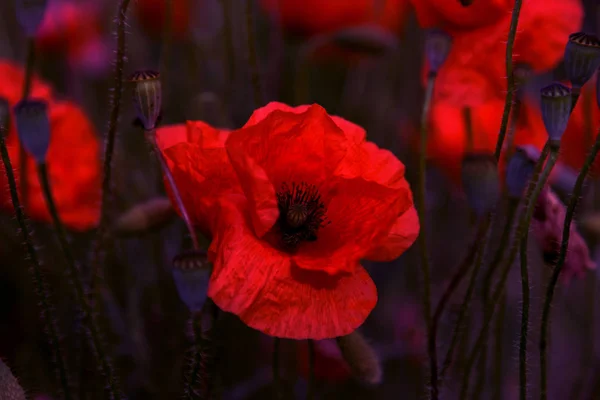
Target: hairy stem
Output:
{"points": [[229, 61], [524, 318], [497, 383], [166, 45], [29, 68], [276, 369], [253, 56], [89, 321], [573, 202], [468, 119]]}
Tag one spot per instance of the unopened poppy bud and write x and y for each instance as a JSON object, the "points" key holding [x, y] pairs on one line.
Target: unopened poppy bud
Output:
{"points": [[145, 216], [518, 172], [361, 357], [4, 115], [33, 127], [147, 97], [582, 58], [191, 272], [556, 109], [30, 14], [9, 386], [367, 39], [480, 181], [437, 47]]}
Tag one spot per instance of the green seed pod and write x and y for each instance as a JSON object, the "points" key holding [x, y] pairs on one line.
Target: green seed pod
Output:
{"points": [[437, 47], [556, 109], [582, 58], [191, 272], [33, 127], [147, 97]]}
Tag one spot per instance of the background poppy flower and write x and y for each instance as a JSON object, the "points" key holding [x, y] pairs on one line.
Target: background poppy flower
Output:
{"points": [[286, 247], [310, 17], [151, 16]]}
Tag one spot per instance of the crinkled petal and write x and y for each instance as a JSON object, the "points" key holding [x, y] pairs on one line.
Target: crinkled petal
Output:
{"points": [[269, 293], [402, 235]]}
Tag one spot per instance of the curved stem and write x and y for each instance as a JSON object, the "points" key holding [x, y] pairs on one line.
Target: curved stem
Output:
{"points": [[97, 260], [425, 270], [481, 245], [89, 320], [253, 56], [573, 202], [497, 383], [510, 78], [533, 191], [48, 316], [151, 137], [311, 370], [524, 319], [29, 67]]}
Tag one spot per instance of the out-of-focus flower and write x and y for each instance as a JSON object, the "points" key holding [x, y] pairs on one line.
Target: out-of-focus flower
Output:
{"points": [[73, 158], [151, 16], [547, 224], [475, 70], [329, 363], [312, 198], [74, 30], [311, 17]]}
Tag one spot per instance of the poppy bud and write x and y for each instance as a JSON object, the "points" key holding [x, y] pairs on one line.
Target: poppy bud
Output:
{"points": [[9, 386], [480, 181], [556, 109], [144, 216], [437, 47], [147, 97], [4, 115], [33, 127], [518, 172], [191, 272], [367, 39], [582, 58], [361, 357], [30, 14]]}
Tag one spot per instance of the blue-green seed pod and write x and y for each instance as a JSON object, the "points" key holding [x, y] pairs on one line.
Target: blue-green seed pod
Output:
{"points": [[33, 127], [147, 97], [582, 58], [191, 273], [30, 14], [437, 47], [518, 172], [556, 109], [480, 181]]}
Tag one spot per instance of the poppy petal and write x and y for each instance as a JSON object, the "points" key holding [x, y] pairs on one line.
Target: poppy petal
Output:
{"points": [[402, 235]]}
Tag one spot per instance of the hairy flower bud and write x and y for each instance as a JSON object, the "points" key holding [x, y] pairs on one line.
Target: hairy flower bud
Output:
{"points": [[361, 357], [518, 172], [582, 58], [9, 386], [147, 97], [556, 109], [4, 115], [30, 14], [437, 47], [191, 272], [33, 127], [480, 181]]}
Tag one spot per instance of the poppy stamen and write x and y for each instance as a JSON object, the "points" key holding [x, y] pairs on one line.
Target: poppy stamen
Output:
{"points": [[302, 214]]}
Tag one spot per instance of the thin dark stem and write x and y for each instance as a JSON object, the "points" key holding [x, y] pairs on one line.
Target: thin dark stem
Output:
{"points": [[48, 315], [497, 383], [253, 56], [524, 319], [276, 370], [29, 68], [479, 245], [151, 137], [229, 61], [165, 46], [510, 78], [97, 257], [573, 202], [89, 320], [425, 269], [311, 370], [468, 119], [534, 189]]}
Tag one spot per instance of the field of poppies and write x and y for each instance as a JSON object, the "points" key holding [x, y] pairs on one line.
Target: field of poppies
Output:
{"points": [[299, 199]]}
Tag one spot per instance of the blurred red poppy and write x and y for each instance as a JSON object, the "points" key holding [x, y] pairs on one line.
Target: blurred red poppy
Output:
{"points": [[151, 16], [311, 17], [313, 198]]}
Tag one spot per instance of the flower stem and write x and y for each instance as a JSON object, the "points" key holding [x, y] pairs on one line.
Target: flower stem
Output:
{"points": [[311, 370], [89, 320], [482, 243], [497, 383], [510, 78], [468, 119], [434, 391], [275, 365], [534, 188], [47, 315], [253, 56], [573, 202], [524, 318], [151, 137], [29, 67], [229, 62], [165, 46], [97, 259]]}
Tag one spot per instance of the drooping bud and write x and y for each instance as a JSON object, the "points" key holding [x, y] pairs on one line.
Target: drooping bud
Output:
{"points": [[366, 39], [9, 386], [30, 14], [144, 216], [518, 172], [4, 115], [191, 272], [556, 109], [147, 97], [33, 127], [480, 181], [437, 47], [361, 357], [582, 58]]}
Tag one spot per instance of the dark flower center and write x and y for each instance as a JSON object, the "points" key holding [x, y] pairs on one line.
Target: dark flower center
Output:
{"points": [[301, 214]]}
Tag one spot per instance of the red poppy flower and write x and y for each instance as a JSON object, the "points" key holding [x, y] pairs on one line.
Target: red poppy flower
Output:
{"points": [[151, 15], [475, 70], [312, 199], [311, 17], [73, 142]]}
